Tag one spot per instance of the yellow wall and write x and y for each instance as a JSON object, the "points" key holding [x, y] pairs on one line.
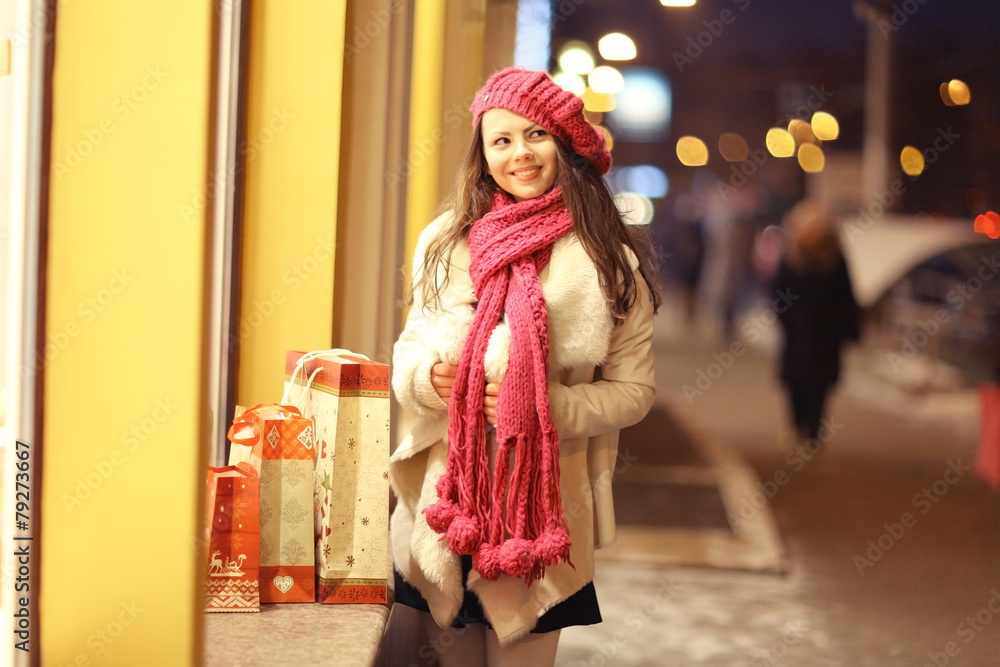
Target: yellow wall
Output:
{"points": [[292, 168], [426, 131], [124, 404]]}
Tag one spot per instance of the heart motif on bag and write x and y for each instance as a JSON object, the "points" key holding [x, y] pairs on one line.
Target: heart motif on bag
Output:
{"points": [[283, 583]]}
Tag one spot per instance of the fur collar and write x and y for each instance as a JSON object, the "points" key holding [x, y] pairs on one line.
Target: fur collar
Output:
{"points": [[579, 322]]}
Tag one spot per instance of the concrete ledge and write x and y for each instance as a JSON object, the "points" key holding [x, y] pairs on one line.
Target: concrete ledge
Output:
{"points": [[296, 634]]}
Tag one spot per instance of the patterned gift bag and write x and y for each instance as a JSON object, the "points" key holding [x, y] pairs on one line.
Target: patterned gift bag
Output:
{"points": [[233, 526], [347, 395], [284, 439]]}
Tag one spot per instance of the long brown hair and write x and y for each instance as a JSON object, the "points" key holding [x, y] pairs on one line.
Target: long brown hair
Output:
{"points": [[596, 221]]}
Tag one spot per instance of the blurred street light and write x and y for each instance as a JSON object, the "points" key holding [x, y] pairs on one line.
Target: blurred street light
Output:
{"points": [[606, 79], [616, 46], [576, 58]]}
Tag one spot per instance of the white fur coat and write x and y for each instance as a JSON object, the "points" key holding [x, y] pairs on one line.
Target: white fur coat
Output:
{"points": [[587, 413]]}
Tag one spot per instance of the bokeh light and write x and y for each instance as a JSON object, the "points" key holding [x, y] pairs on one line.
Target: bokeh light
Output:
{"points": [[644, 107], [824, 126], [635, 209], [574, 83], [616, 46], [779, 142], [692, 151], [677, 3], [811, 158], [912, 161], [955, 93], [606, 79], [597, 102], [801, 131], [733, 147], [576, 57], [644, 179], [988, 223]]}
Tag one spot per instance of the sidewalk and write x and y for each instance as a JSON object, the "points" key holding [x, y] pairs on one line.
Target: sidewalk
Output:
{"points": [[892, 546]]}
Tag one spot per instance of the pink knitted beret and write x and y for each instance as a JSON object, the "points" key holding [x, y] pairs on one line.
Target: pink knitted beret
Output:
{"points": [[536, 97]]}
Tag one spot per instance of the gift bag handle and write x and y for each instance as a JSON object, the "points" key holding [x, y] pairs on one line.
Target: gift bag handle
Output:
{"points": [[245, 421], [305, 359]]}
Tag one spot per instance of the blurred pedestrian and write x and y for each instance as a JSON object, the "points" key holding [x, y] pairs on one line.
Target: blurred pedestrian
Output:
{"points": [[817, 311], [728, 224]]}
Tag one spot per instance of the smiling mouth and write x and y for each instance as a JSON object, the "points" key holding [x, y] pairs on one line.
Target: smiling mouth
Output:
{"points": [[527, 171]]}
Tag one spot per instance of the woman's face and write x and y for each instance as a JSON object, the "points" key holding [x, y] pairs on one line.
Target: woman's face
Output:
{"points": [[520, 154]]}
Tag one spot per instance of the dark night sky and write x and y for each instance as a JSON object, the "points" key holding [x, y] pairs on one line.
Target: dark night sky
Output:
{"points": [[770, 46]]}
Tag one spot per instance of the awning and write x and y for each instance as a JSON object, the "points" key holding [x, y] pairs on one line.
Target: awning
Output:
{"points": [[882, 250]]}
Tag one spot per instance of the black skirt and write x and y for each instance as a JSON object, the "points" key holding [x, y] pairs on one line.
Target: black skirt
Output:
{"points": [[578, 609]]}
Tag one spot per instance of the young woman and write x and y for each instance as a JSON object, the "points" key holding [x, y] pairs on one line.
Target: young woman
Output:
{"points": [[527, 347]]}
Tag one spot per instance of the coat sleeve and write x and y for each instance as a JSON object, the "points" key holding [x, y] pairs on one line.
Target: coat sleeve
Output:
{"points": [[627, 385], [415, 351]]}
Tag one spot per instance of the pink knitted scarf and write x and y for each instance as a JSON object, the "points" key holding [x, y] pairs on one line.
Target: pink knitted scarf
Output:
{"points": [[512, 521]]}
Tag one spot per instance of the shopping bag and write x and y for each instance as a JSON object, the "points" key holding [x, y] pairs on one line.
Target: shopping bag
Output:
{"points": [[284, 439], [988, 456], [233, 527], [244, 446], [347, 396]]}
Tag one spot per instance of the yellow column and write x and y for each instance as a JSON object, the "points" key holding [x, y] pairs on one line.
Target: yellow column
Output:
{"points": [[124, 428], [426, 133], [292, 169]]}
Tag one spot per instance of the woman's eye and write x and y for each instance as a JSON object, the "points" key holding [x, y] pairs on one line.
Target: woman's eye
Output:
{"points": [[538, 133]]}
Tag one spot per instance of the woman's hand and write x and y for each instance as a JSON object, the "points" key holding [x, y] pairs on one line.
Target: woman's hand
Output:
{"points": [[442, 378], [490, 402]]}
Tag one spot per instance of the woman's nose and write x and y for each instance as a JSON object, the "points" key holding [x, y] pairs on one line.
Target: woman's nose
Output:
{"points": [[522, 150]]}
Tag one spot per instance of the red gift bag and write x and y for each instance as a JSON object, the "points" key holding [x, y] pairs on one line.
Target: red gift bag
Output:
{"points": [[233, 525], [988, 456], [284, 440]]}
